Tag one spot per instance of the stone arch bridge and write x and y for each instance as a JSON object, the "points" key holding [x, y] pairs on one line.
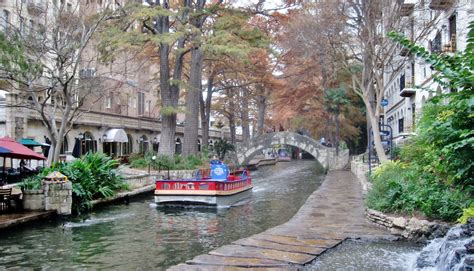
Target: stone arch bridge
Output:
{"points": [[326, 156]]}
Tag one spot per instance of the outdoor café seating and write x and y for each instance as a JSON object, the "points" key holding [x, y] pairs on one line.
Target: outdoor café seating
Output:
{"points": [[9, 148], [5, 200]]}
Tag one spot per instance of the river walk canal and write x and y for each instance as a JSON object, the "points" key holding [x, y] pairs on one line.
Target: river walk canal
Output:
{"points": [[140, 235]]}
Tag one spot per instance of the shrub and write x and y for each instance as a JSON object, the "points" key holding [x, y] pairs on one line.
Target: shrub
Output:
{"points": [[175, 162], [467, 213], [31, 183], [93, 176], [399, 187]]}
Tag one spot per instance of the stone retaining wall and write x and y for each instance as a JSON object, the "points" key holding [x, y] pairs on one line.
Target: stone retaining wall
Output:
{"points": [[360, 170], [54, 196], [419, 230], [58, 197], [410, 228]]}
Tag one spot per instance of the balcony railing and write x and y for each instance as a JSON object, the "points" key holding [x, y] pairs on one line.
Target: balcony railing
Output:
{"points": [[441, 4]]}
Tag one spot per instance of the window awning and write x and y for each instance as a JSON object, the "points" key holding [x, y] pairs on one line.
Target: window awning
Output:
{"points": [[116, 135]]}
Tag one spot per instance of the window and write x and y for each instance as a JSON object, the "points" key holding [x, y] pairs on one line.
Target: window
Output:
{"points": [[141, 103], [108, 101], [147, 106], [452, 33], [5, 20], [64, 146], [143, 147], [400, 125], [402, 82], [87, 73], [127, 148], [436, 43], [88, 144]]}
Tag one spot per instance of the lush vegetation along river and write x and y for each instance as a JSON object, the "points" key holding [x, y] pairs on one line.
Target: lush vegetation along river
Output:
{"points": [[140, 235]]}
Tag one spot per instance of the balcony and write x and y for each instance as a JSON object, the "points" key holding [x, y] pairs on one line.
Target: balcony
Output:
{"points": [[407, 86], [408, 91], [441, 4]]}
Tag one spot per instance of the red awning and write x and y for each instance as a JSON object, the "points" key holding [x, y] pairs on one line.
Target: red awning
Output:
{"points": [[17, 150]]}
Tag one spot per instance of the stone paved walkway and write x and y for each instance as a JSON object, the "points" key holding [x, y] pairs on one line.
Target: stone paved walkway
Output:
{"points": [[331, 214]]}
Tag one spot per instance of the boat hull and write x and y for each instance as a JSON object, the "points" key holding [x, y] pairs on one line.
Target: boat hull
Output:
{"points": [[207, 198]]}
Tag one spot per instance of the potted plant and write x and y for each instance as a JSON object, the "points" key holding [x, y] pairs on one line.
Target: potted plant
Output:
{"points": [[33, 195]]}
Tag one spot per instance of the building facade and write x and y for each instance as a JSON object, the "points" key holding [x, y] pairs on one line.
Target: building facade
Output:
{"points": [[123, 119], [414, 85]]}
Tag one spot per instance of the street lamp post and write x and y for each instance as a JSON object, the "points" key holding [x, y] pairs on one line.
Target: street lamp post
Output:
{"points": [[153, 158]]}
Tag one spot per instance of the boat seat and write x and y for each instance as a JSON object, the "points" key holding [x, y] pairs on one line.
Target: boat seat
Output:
{"points": [[219, 172]]}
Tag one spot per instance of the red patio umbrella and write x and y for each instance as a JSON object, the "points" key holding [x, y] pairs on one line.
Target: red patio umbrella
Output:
{"points": [[17, 150]]}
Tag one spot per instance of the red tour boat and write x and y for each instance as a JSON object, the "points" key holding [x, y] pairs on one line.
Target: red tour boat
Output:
{"points": [[215, 187]]}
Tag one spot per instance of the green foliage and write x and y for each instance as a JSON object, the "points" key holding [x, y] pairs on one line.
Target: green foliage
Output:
{"points": [[176, 162], [14, 60], [335, 99], [221, 147], [467, 213], [400, 187], [31, 183], [93, 176], [435, 174], [445, 129]]}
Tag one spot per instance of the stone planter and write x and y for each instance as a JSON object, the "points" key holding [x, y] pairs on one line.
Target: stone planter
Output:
{"points": [[33, 199]]}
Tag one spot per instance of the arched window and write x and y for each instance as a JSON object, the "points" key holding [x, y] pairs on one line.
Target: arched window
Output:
{"points": [[178, 146], [143, 144], [127, 147], [88, 144], [64, 146], [156, 143]]}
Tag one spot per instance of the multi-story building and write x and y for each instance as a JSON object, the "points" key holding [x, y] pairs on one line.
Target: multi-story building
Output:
{"points": [[126, 116], [414, 85]]}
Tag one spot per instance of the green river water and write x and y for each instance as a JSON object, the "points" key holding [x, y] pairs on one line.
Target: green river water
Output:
{"points": [[142, 236]]}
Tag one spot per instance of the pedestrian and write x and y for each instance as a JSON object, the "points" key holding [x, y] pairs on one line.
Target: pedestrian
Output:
{"points": [[274, 129], [281, 129], [322, 141], [329, 144]]}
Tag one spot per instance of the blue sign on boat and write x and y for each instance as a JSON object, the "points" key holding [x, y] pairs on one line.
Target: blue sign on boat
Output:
{"points": [[384, 102]]}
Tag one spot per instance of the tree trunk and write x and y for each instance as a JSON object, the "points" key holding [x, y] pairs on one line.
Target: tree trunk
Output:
{"points": [[168, 116], [206, 111], [261, 107], [244, 114], [231, 119], [337, 132], [191, 127], [374, 122]]}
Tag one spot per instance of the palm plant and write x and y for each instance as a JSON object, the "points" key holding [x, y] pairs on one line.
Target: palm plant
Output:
{"points": [[335, 99]]}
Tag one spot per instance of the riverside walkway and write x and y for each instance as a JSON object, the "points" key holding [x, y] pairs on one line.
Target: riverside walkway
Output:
{"points": [[333, 213]]}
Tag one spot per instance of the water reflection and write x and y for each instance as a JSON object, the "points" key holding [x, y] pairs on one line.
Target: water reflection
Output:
{"points": [[140, 235]]}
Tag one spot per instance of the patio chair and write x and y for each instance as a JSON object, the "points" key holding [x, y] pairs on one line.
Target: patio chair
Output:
{"points": [[5, 199]]}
